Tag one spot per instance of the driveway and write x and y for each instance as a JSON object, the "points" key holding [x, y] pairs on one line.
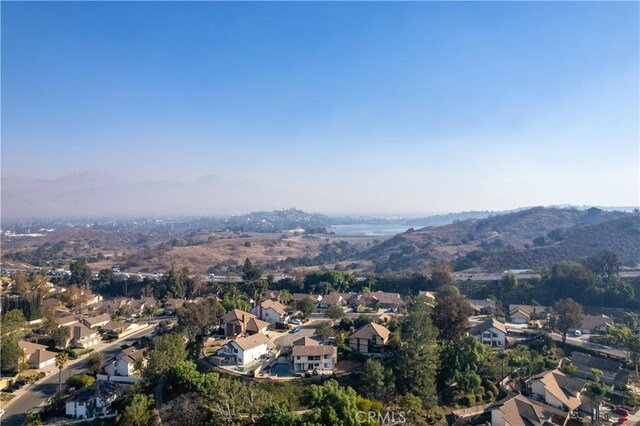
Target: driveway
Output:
{"points": [[306, 330]]}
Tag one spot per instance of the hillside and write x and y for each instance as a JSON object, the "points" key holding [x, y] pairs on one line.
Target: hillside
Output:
{"points": [[621, 236], [510, 233]]}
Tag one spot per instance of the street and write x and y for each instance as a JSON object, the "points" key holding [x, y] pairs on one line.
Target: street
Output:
{"points": [[37, 394]]}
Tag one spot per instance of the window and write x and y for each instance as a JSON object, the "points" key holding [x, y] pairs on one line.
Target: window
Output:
{"points": [[326, 365], [298, 357]]}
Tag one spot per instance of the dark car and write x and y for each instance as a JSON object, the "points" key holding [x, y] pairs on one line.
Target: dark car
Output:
{"points": [[621, 412]]}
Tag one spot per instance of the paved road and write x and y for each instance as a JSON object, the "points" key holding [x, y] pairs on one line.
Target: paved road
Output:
{"points": [[37, 394], [589, 345]]}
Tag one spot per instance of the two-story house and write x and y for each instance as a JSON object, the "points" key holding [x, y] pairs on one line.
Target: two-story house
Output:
{"points": [[309, 355], [557, 389], [270, 311], [237, 323], [36, 355], [94, 401], [245, 350], [83, 336], [490, 332], [370, 339], [126, 362], [519, 410]]}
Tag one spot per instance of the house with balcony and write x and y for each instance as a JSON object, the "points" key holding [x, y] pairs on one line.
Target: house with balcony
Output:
{"points": [[245, 350], [270, 311], [370, 339], [309, 355], [490, 332]]}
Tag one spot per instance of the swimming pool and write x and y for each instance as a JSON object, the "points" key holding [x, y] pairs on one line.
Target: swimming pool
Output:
{"points": [[281, 370]]}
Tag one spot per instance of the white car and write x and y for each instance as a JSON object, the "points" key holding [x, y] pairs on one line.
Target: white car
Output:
{"points": [[578, 333], [296, 321], [1, 413]]}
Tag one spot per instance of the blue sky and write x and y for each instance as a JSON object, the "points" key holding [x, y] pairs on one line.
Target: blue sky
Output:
{"points": [[354, 107]]}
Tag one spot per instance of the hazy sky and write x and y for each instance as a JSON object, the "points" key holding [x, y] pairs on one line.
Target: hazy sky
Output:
{"points": [[359, 107]]}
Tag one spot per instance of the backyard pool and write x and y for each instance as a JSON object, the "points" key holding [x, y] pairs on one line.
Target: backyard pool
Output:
{"points": [[281, 370]]}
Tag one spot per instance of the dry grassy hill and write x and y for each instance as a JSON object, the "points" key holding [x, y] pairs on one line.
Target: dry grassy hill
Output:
{"points": [[509, 233]]}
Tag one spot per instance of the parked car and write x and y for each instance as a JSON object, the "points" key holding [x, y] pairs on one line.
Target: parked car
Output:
{"points": [[578, 333], [621, 412], [622, 420], [1, 413], [295, 330], [296, 321]]}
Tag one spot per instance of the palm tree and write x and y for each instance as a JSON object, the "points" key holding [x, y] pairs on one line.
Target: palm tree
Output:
{"points": [[61, 360], [596, 392]]}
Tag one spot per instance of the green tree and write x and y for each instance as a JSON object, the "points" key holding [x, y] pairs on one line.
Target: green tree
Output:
{"points": [[568, 314], [138, 411], [11, 355], [596, 391], [633, 346], [334, 313], [81, 274], [333, 405], [200, 318], [306, 306], [80, 380], [418, 359], [605, 264], [376, 381], [461, 361], [279, 414], [61, 360], [95, 360], [250, 272], [508, 282], [61, 336], [166, 351], [441, 275], [412, 407], [325, 330], [13, 321], [451, 314]]}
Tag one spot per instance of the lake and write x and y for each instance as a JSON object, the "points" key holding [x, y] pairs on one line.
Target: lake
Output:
{"points": [[371, 230]]}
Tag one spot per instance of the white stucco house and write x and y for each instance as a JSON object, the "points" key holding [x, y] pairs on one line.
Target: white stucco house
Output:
{"points": [[490, 332], [245, 350], [270, 311], [92, 402]]}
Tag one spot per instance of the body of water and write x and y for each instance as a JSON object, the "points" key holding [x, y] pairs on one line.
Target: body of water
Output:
{"points": [[371, 230]]}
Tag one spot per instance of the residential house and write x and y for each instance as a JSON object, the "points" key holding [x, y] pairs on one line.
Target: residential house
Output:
{"points": [[298, 297], [83, 336], [522, 314], [119, 329], [430, 295], [334, 299], [236, 322], [245, 350], [611, 370], [522, 411], [490, 332], [557, 389], [36, 355], [309, 355], [94, 401], [67, 321], [126, 362], [594, 324], [482, 306], [271, 312], [384, 300], [172, 305], [97, 321], [370, 339]]}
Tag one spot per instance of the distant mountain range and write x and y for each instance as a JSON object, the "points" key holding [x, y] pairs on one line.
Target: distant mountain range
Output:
{"points": [[528, 238]]}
